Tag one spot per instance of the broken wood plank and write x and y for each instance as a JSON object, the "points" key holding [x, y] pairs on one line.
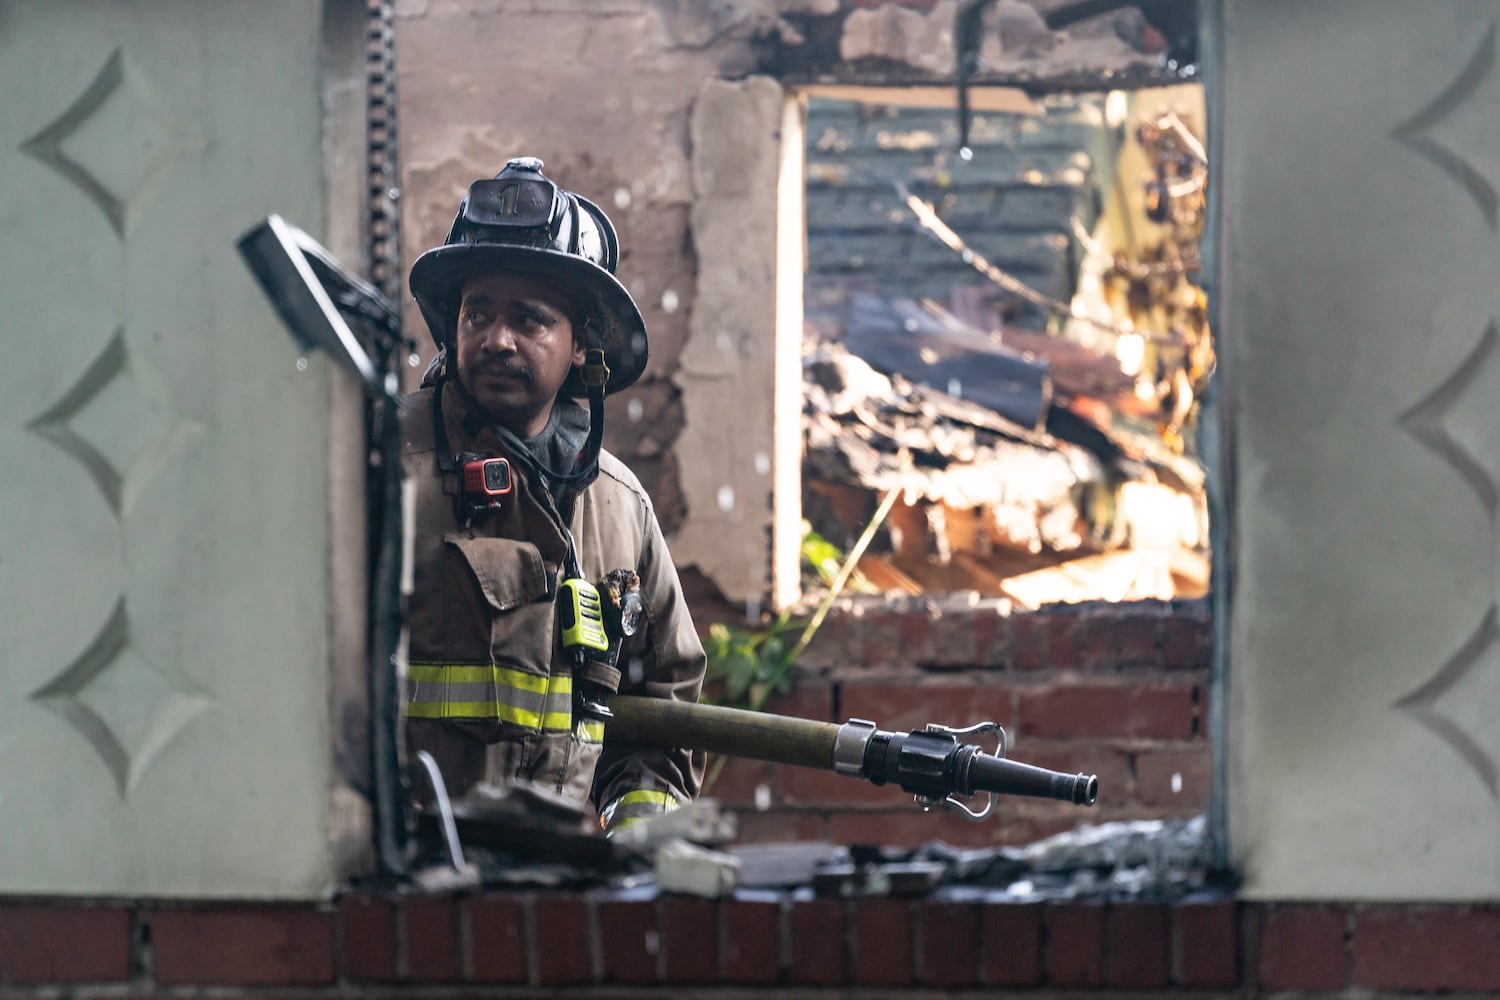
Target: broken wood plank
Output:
{"points": [[1126, 575]]}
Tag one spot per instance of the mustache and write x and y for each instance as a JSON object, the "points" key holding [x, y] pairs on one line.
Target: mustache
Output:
{"points": [[515, 369]]}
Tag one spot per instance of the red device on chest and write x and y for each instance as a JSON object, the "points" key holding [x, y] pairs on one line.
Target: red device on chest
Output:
{"points": [[484, 482]]}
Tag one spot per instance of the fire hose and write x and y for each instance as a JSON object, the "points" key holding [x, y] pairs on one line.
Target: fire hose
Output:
{"points": [[932, 763]]}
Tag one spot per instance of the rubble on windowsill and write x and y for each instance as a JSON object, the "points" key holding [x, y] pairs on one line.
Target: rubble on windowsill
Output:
{"points": [[688, 851], [1157, 860]]}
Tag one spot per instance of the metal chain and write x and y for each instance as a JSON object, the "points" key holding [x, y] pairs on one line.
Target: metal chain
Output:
{"points": [[392, 796], [382, 168]]}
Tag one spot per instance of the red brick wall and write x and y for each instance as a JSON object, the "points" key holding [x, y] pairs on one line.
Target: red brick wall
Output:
{"points": [[469, 945], [1118, 690]]}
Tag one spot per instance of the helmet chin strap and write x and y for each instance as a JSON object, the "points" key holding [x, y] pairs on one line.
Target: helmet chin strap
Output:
{"points": [[595, 376], [440, 372]]}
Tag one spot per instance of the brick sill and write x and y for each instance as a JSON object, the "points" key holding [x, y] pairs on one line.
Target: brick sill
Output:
{"points": [[621, 942]]}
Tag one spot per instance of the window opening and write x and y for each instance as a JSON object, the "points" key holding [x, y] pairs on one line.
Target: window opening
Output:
{"points": [[1014, 343]]}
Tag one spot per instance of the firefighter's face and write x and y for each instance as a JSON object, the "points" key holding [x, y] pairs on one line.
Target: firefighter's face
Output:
{"points": [[515, 348]]}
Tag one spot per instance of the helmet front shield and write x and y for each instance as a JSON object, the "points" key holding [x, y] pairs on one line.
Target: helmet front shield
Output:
{"points": [[518, 206]]}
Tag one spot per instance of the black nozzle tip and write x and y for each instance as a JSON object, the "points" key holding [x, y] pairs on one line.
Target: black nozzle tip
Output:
{"points": [[1085, 789]]}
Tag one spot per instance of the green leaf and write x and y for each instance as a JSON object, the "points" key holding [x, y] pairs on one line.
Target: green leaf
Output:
{"points": [[739, 672], [773, 656]]}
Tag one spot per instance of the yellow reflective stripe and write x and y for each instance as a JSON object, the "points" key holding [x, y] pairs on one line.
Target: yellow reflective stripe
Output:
{"points": [[592, 731], [642, 795], [639, 804], [559, 721], [620, 824], [461, 673], [559, 689]]}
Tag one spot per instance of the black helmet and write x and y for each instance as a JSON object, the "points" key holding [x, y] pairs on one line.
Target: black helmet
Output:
{"points": [[522, 223]]}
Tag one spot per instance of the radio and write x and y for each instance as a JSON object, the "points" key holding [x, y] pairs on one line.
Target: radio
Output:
{"points": [[582, 616]]}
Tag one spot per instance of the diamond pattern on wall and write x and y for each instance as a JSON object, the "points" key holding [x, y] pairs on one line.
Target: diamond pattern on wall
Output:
{"points": [[1461, 703], [117, 422], [1457, 420], [1418, 131], [127, 707], [110, 142]]}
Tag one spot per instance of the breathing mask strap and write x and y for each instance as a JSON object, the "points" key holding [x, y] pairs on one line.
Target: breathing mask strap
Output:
{"points": [[446, 460]]}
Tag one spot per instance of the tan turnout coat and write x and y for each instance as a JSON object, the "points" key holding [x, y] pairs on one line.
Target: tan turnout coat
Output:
{"points": [[488, 689]]}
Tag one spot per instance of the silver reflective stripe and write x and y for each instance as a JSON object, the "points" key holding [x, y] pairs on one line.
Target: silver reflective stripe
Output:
{"points": [[482, 691], [634, 806]]}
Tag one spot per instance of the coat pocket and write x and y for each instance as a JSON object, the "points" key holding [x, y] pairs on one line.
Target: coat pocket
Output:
{"points": [[509, 573], [499, 679], [513, 579], [585, 744]]}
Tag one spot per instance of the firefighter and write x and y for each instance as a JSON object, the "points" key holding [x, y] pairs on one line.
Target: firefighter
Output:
{"points": [[542, 581]]}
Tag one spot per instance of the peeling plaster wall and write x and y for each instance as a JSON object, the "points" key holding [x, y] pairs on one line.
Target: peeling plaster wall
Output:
{"points": [[728, 363], [604, 91]]}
